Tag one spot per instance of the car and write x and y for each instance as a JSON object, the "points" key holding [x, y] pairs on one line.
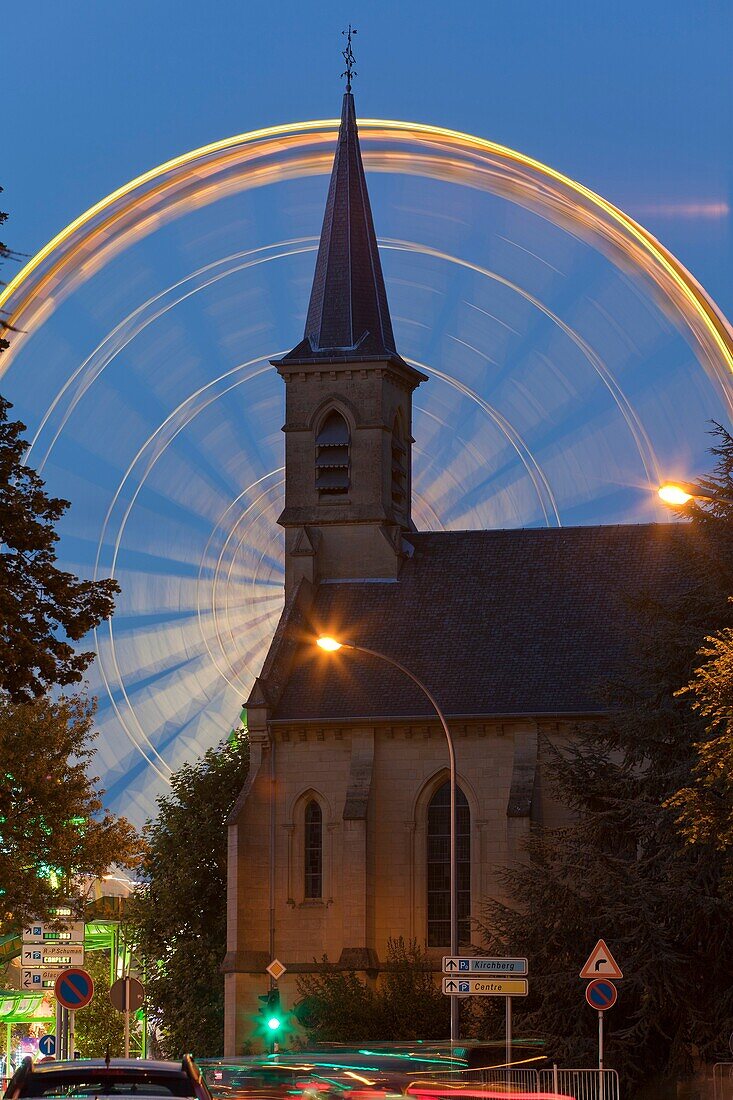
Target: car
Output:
{"points": [[102, 1077]]}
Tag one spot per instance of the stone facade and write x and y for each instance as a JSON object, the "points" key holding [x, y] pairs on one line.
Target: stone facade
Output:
{"points": [[373, 783]]}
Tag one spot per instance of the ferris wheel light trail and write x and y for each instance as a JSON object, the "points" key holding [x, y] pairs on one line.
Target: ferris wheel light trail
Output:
{"points": [[702, 311], [563, 344]]}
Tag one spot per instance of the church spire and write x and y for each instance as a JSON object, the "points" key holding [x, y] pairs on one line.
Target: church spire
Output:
{"points": [[348, 315]]}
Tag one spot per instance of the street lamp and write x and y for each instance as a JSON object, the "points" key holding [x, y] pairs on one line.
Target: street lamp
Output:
{"points": [[331, 645], [677, 493]]}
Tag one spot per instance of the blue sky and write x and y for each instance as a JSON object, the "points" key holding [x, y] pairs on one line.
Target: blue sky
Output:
{"points": [[632, 98]]}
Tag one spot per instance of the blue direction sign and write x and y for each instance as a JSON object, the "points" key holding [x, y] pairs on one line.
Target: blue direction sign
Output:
{"points": [[601, 994], [452, 964], [74, 988], [47, 1045]]}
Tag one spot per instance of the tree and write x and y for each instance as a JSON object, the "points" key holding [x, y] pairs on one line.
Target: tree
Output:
{"points": [[43, 609], [338, 1007], [623, 869], [705, 806], [178, 915], [52, 823]]}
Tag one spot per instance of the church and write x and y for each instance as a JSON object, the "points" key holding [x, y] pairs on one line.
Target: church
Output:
{"points": [[339, 840]]}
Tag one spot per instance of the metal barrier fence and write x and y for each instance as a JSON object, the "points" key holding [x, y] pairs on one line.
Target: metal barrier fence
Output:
{"points": [[583, 1084], [516, 1080], [723, 1081]]}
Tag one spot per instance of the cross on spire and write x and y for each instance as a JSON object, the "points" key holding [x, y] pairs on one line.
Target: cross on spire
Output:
{"points": [[348, 56]]}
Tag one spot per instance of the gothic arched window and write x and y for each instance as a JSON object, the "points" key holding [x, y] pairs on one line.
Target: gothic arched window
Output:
{"points": [[332, 455], [438, 866], [313, 838], [399, 467]]}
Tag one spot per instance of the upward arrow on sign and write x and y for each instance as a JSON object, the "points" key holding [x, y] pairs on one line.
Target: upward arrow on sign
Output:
{"points": [[451, 964]]}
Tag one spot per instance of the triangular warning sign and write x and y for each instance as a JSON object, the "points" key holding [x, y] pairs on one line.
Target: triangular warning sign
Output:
{"points": [[601, 963]]}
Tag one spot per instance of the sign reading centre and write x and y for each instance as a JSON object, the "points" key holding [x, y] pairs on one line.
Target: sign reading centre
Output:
{"points": [[485, 987]]}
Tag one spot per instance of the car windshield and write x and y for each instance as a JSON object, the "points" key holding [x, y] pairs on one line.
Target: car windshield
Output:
{"points": [[97, 1083]]}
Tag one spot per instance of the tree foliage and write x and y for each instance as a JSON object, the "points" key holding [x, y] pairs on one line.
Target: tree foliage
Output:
{"points": [[178, 915], [339, 1007], [53, 826], [43, 609], [705, 806], [624, 870]]}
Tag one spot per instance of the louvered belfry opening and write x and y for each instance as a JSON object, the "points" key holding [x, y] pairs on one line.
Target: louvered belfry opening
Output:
{"points": [[332, 456], [399, 468]]}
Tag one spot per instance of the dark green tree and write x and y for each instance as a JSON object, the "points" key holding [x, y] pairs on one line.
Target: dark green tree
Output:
{"points": [[623, 870], [53, 826], [43, 609], [339, 1007], [178, 915]]}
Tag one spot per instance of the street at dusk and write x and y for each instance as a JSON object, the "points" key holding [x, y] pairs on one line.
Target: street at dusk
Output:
{"points": [[366, 551]]}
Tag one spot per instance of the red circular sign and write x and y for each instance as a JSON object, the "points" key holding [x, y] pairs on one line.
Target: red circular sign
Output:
{"points": [[601, 994], [74, 988]]}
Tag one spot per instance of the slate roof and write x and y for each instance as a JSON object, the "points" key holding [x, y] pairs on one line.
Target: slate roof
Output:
{"points": [[521, 622], [348, 315]]}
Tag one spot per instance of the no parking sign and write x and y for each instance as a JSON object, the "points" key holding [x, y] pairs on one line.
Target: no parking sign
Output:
{"points": [[74, 988], [601, 994]]}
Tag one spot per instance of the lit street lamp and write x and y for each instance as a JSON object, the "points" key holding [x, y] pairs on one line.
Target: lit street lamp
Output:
{"points": [[677, 493], [331, 645]]}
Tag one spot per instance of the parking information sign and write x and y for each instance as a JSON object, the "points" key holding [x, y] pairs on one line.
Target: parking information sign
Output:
{"points": [[478, 965], [42, 955], [485, 987]]}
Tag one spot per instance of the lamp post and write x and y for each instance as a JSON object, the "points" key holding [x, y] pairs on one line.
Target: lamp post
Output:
{"points": [[677, 493], [331, 645]]}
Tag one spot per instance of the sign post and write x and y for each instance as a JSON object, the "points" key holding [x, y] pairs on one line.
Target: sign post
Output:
{"points": [[600, 994], [498, 978], [127, 995]]}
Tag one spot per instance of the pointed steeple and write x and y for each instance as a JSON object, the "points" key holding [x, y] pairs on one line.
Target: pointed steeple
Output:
{"points": [[348, 316]]}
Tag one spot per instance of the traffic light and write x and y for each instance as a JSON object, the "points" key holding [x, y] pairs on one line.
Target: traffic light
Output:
{"points": [[271, 1015]]}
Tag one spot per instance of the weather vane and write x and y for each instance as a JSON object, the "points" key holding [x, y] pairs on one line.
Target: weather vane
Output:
{"points": [[348, 56]]}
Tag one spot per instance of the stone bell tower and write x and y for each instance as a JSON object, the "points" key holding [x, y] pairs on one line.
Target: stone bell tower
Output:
{"points": [[348, 403]]}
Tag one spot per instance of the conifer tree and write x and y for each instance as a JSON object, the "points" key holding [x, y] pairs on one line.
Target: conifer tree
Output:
{"points": [[623, 870]]}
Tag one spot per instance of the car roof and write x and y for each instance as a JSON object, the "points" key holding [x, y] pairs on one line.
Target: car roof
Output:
{"points": [[80, 1064]]}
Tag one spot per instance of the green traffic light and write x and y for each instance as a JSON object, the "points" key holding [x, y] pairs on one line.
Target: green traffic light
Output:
{"points": [[273, 1023]]}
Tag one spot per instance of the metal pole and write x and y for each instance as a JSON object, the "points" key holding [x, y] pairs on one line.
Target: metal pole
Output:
{"points": [[454, 1005], [127, 1015], [508, 1021], [600, 1055], [58, 1030], [71, 1033], [8, 1050]]}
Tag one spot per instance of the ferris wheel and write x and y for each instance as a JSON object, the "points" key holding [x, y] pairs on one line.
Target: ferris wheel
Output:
{"points": [[572, 361]]}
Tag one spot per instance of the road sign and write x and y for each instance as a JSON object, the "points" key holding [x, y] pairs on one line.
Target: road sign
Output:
{"points": [[74, 988], [47, 1044], [485, 987], [478, 965], [601, 963], [135, 994], [41, 932], [276, 970], [42, 955], [601, 994], [38, 979]]}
